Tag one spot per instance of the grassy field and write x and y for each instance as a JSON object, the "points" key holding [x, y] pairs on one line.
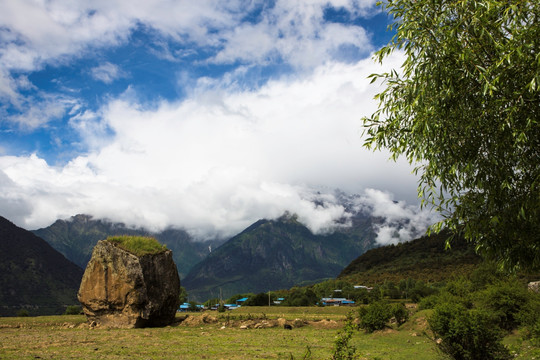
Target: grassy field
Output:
{"points": [[231, 335]]}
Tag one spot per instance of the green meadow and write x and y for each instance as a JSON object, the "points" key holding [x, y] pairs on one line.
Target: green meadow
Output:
{"points": [[229, 335]]}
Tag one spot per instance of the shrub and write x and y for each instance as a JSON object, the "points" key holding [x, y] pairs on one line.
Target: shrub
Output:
{"points": [[73, 310], [467, 334], [400, 313], [460, 287], [23, 313], [451, 293], [529, 316], [343, 350], [137, 245], [421, 290], [485, 274], [506, 300], [375, 316], [429, 302]]}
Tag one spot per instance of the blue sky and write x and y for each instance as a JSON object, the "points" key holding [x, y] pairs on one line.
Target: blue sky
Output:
{"points": [[205, 115]]}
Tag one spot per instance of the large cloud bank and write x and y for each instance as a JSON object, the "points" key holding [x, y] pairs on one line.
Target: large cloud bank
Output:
{"points": [[215, 162], [223, 155]]}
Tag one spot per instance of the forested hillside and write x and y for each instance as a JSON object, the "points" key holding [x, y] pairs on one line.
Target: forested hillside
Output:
{"points": [[34, 277], [423, 259], [277, 254]]}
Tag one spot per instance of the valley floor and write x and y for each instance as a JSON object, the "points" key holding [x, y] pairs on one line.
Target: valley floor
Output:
{"points": [[246, 333]]}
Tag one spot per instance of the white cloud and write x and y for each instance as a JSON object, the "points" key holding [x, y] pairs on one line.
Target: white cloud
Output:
{"points": [[220, 159], [38, 111], [295, 32], [107, 72], [224, 156], [53, 32], [399, 221]]}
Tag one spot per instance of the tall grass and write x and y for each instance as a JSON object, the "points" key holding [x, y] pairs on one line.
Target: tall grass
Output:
{"points": [[137, 245]]}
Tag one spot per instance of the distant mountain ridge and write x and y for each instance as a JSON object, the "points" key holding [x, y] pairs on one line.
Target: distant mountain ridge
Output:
{"points": [[34, 276], [277, 254], [76, 237]]}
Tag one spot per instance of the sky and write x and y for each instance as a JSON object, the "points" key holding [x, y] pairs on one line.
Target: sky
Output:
{"points": [[202, 115]]}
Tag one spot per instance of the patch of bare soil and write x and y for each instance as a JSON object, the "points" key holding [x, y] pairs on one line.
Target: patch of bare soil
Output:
{"points": [[199, 320], [261, 323], [421, 323]]}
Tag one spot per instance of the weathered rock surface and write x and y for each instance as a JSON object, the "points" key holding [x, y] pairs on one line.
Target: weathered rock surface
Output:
{"points": [[534, 286], [122, 290]]}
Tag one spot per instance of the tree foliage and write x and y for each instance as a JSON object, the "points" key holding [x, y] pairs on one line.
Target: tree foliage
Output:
{"points": [[465, 109], [471, 317], [375, 316], [467, 334]]}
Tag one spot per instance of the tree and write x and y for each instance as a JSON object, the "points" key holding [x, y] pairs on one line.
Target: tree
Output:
{"points": [[260, 299], [465, 110], [183, 295]]}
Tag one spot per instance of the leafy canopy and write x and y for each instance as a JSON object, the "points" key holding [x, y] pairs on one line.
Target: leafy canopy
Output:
{"points": [[465, 109]]}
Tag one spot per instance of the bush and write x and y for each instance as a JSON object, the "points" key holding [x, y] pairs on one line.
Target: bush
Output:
{"points": [[429, 302], [529, 316], [400, 313], [343, 350], [506, 300], [375, 316], [451, 293], [485, 274], [420, 291], [73, 310], [23, 313], [467, 334]]}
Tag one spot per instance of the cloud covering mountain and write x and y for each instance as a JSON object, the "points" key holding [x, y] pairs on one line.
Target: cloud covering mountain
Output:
{"points": [[204, 115]]}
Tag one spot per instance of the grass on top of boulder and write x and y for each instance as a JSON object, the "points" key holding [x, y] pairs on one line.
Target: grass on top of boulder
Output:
{"points": [[137, 245]]}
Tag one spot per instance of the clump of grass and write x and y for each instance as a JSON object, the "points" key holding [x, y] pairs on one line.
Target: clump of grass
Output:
{"points": [[137, 245]]}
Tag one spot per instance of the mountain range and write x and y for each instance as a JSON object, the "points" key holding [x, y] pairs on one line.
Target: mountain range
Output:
{"points": [[268, 255], [277, 254], [271, 254], [33, 276], [76, 237]]}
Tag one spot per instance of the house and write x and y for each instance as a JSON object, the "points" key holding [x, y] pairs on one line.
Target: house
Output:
{"points": [[187, 307], [363, 287], [279, 301], [337, 302], [241, 301]]}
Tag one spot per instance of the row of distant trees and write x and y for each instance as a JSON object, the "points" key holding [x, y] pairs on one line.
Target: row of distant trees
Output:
{"points": [[410, 289]]}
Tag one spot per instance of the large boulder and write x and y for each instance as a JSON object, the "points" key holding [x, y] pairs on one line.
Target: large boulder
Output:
{"points": [[120, 289]]}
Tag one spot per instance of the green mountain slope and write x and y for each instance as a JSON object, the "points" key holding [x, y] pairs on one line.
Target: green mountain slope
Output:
{"points": [[422, 259], [75, 238], [34, 276], [276, 254]]}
